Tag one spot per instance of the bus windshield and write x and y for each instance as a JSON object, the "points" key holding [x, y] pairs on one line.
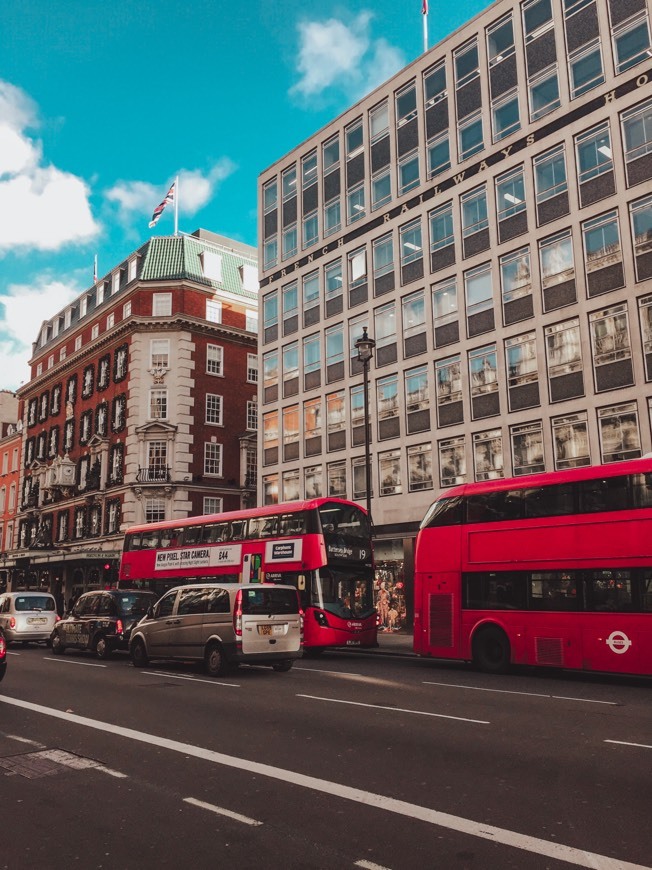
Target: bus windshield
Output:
{"points": [[344, 593], [344, 519]]}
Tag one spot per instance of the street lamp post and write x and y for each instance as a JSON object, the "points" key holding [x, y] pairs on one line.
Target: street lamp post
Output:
{"points": [[365, 347]]}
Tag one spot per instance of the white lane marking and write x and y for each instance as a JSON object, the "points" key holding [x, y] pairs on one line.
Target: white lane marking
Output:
{"points": [[369, 865], [395, 709], [625, 743], [192, 679], [321, 671], [222, 812], [558, 851], [25, 740], [512, 692], [63, 661]]}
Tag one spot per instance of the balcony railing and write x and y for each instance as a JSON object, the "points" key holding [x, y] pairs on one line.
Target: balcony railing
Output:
{"points": [[160, 474]]}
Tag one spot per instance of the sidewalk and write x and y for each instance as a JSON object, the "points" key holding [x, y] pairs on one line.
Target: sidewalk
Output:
{"points": [[395, 643]]}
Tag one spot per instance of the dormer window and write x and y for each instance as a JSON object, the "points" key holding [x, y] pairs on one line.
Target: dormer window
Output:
{"points": [[211, 265], [249, 277], [133, 269]]}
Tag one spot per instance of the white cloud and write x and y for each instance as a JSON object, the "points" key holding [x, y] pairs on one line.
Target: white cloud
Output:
{"points": [[137, 199], [21, 317], [333, 54], [41, 206]]}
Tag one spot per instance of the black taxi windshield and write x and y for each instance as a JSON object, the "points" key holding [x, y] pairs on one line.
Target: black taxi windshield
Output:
{"points": [[348, 594]]}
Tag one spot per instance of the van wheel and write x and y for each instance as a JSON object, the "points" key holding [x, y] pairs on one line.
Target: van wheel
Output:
{"points": [[139, 656], [282, 667], [57, 646], [491, 650], [214, 660], [102, 649]]}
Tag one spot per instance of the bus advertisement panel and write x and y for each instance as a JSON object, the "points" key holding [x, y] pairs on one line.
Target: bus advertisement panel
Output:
{"points": [[322, 547], [550, 569]]}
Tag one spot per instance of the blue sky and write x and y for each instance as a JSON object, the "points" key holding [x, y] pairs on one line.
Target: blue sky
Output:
{"points": [[103, 103]]}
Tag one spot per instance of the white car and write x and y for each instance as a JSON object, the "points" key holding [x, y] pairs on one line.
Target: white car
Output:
{"points": [[28, 616]]}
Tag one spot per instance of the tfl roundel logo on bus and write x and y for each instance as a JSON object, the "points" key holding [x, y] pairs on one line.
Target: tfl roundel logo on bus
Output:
{"points": [[618, 642]]}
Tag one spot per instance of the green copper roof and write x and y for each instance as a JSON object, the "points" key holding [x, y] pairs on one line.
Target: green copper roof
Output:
{"points": [[179, 257]]}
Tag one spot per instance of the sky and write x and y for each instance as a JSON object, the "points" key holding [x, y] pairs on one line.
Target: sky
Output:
{"points": [[103, 104]]}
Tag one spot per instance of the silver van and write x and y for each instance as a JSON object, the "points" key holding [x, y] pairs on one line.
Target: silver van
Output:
{"points": [[28, 616], [222, 624]]}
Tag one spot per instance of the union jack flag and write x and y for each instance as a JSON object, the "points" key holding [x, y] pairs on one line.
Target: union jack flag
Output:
{"points": [[158, 211], [424, 7]]}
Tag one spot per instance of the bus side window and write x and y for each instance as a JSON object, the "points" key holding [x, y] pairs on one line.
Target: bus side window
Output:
{"points": [[238, 530], [269, 528], [149, 540]]}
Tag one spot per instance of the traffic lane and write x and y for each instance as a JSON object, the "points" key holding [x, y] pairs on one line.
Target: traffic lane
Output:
{"points": [[510, 792], [297, 826]]}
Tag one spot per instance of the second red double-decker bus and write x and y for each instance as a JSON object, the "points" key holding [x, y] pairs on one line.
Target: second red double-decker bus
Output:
{"points": [[550, 569], [321, 546]]}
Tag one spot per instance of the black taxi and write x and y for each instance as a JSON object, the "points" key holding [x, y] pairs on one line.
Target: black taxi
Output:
{"points": [[101, 621]]}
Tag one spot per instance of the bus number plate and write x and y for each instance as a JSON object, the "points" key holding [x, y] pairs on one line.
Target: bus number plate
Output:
{"points": [[264, 629], [353, 643]]}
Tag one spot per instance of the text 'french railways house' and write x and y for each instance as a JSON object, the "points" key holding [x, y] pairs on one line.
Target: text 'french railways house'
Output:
{"points": [[141, 407]]}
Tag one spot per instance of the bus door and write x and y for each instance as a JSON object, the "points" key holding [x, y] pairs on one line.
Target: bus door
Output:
{"points": [[437, 627], [252, 567]]}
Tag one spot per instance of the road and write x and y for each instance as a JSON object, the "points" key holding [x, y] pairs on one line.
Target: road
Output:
{"points": [[347, 761]]}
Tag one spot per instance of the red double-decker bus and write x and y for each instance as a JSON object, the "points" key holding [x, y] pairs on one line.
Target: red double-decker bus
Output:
{"points": [[321, 546], [550, 569]]}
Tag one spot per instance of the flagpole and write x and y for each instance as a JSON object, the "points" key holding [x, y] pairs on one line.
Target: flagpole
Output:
{"points": [[425, 26], [95, 270], [176, 206]]}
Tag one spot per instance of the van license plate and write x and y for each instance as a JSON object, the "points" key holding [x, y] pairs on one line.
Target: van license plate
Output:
{"points": [[264, 629]]}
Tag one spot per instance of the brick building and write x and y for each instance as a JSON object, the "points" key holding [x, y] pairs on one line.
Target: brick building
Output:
{"points": [[141, 406]]}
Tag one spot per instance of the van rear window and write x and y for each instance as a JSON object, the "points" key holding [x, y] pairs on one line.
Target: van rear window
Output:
{"points": [[271, 600]]}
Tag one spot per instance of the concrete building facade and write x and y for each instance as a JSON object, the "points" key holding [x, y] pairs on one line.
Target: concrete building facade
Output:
{"points": [[486, 215]]}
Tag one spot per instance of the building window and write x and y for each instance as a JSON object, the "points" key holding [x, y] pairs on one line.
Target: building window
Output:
{"points": [[335, 412], [355, 208], [438, 155], [62, 353], [474, 212], [556, 255], [159, 354], [154, 510], [379, 122], [406, 104], [543, 92], [270, 489], [214, 405], [290, 361], [449, 380], [270, 310], [212, 505], [510, 194], [110, 321], [500, 40], [311, 353], [444, 302], [571, 439], [478, 289], [488, 455], [385, 324], [637, 131], [411, 244], [158, 404], [441, 224], [537, 18], [594, 155], [333, 280], [610, 335], [95, 331], [483, 370], [631, 42], [381, 188], [213, 311], [290, 307], [252, 368], [505, 116], [414, 314], [470, 136], [620, 437], [645, 316], [515, 275], [270, 370], [521, 356], [527, 448], [290, 426], [126, 310], [312, 419], [251, 320], [550, 174], [291, 491], [387, 397], [383, 255], [290, 241], [270, 252], [357, 264], [330, 155], [434, 84], [252, 416], [270, 436], [417, 396], [564, 348], [214, 359], [88, 382], [601, 241], [419, 458], [213, 459], [336, 472], [641, 216], [452, 461], [359, 471], [78, 342], [309, 169], [289, 183], [408, 173], [332, 216], [585, 68], [389, 470], [270, 196], [357, 406], [310, 229], [353, 136], [466, 62], [161, 304]]}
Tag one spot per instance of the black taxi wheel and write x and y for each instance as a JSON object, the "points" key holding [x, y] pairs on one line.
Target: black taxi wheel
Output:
{"points": [[102, 648], [57, 645]]}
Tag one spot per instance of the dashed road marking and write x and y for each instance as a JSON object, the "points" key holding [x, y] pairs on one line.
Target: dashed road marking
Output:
{"points": [[397, 709], [222, 812]]}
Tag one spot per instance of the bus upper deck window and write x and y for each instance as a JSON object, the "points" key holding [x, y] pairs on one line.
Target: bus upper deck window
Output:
{"points": [[444, 512]]}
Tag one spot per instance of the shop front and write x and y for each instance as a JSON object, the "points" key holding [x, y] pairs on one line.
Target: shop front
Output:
{"points": [[394, 584]]}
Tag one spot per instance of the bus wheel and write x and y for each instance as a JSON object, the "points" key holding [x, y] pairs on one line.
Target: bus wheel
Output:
{"points": [[214, 660], [139, 655], [491, 652]]}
